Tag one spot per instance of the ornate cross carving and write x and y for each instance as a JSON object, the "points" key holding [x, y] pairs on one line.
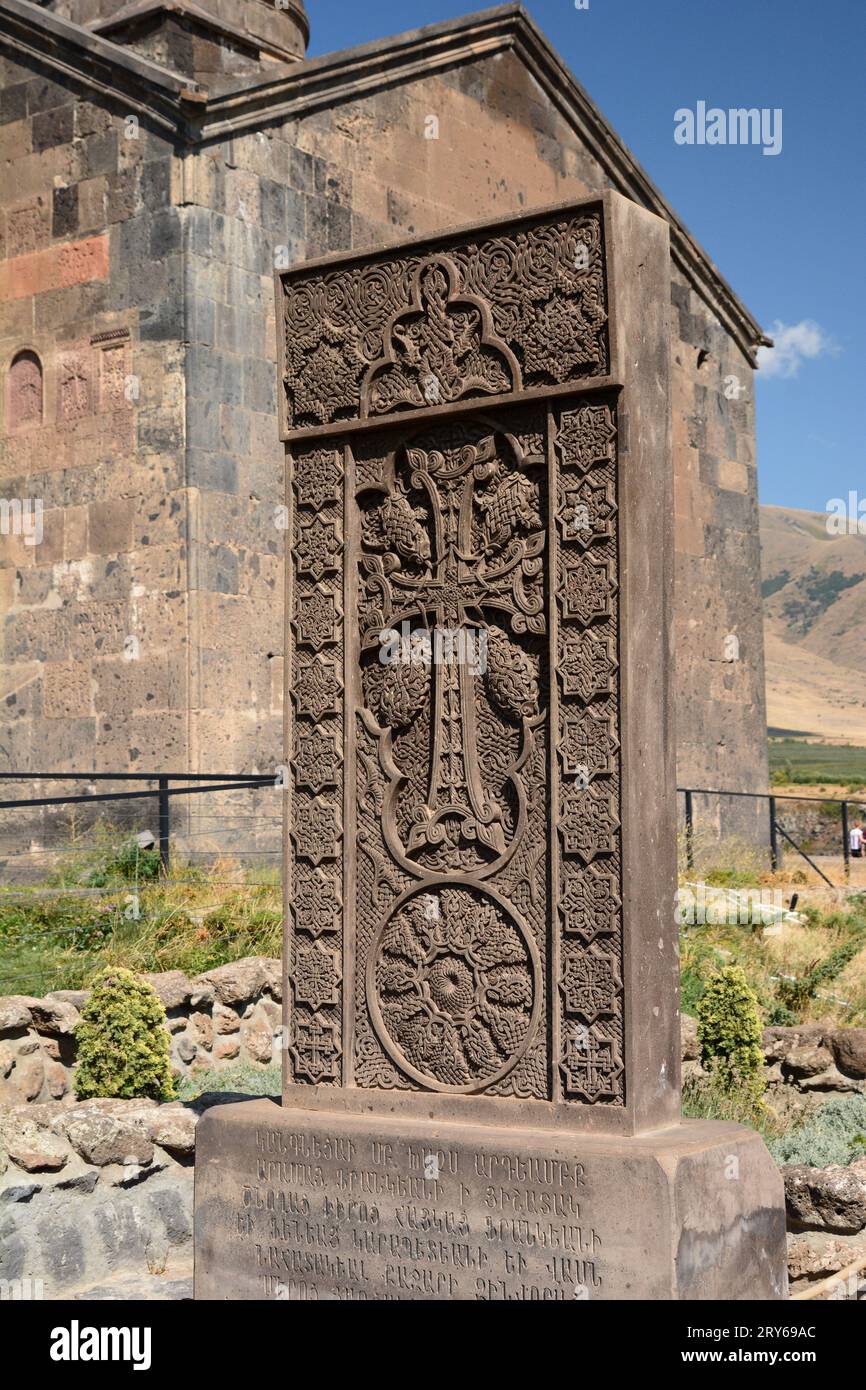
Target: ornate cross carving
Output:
{"points": [[439, 576]]}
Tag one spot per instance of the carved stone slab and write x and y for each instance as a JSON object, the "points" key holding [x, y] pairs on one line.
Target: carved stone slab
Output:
{"points": [[471, 464], [521, 308]]}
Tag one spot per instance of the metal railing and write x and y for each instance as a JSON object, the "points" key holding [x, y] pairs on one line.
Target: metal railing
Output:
{"points": [[163, 792], [775, 826], [64, 896]]}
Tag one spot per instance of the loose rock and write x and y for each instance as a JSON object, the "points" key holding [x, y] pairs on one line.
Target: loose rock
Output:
{"points": [[849, 1050], [829, 1199], [173, 1128], [173, 987], [34, 1149], [15, 1012], [102, 1139], [54, 1016]]}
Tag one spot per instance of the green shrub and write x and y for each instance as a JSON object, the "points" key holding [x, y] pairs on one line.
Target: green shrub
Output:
{"points": [[698, 959], [780, 1016], [834, 1134], [729, 1032], [794, 995], [122, 1041], [127, 863]]}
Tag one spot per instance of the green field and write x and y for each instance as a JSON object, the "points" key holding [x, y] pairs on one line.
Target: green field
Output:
{"points": [[795, 762]]}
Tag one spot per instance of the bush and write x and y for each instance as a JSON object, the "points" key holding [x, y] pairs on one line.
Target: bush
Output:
{"points": [[128, 863], [794, 995], [835, 1134], [729, 1032], [123, 1041], [698, 959]]}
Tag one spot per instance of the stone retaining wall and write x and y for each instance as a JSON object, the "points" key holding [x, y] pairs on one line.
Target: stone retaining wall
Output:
{"points": [[227, 1015], [96, 1200], [813, 1058], [826, 1207], [233, 1014], [96, 1196]]}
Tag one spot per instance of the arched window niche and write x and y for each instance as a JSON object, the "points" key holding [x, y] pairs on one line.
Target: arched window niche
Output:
{"points": [[24, 390]]}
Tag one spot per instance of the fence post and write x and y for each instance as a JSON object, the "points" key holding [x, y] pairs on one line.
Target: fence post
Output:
{"points": [[690, 832], [846, 844], [774, 841], [164, 824]]}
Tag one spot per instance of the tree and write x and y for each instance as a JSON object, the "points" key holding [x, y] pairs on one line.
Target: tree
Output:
{"points": [[729, 1032]]}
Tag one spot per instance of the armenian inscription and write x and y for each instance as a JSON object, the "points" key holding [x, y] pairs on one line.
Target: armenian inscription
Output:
{"points": [[331, 1217]]}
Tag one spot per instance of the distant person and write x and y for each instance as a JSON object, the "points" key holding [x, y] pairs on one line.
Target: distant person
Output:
{"points": [[855, 840]]}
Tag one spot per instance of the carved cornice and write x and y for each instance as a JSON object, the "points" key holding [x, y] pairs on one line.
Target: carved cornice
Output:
{"points": [[141, 13]]}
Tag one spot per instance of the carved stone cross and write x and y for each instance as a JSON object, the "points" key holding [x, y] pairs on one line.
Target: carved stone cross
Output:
{"points": [[481, 1086], [463, 495]]}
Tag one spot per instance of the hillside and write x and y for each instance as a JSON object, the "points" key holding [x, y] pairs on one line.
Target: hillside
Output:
{"points": [[814, 587]]}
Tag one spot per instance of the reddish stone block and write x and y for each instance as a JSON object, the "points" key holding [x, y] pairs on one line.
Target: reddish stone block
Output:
{"points": [[54, 268]]}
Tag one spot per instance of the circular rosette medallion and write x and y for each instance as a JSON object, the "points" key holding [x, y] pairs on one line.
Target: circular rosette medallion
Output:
{"points": [[453, 986]]}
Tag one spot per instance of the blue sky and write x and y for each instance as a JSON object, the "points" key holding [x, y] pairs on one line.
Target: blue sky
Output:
{"points": [[787, 231]]}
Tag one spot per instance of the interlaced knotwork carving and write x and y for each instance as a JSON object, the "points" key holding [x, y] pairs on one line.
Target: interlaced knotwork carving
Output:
{"points": [[488, 317], [451, 548], [589, 903], [315, 940], [473, 705], [455, 617]]}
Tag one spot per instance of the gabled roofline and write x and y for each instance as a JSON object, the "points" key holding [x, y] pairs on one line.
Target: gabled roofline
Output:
{"points": [[139, 13], [107, 68], [195, 115]]}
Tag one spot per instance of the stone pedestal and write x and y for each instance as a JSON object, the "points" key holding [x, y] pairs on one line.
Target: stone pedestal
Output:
{"points": [[293, 1204]]}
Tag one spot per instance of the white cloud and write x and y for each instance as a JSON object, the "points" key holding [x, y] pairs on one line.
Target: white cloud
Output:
{"points": [[793, 343]]}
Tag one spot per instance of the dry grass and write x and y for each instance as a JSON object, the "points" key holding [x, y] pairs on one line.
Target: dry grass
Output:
{"points": [[197, 918], [799, 969]]}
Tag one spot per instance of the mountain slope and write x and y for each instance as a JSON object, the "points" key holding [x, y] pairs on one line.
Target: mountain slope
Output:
{"points": [[814, 587]]}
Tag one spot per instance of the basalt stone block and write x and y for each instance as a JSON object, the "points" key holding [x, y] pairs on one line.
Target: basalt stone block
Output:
{"points": [[55, 127], [64, 220], [13, 103], [294, 1205]]}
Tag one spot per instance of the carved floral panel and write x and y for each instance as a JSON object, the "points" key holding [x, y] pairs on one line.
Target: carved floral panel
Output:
{"points": [[524, 308], [316, 846], [452, 893]]}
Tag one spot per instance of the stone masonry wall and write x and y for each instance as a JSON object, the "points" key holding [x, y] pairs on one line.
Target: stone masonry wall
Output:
{"points": [[227, 1015], [94, 648]]}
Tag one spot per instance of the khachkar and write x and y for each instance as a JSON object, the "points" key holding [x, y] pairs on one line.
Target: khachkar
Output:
{"points": [[481, 1057]]}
